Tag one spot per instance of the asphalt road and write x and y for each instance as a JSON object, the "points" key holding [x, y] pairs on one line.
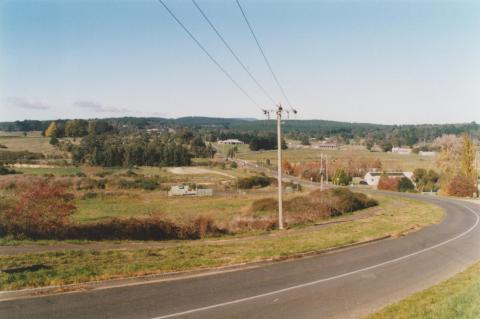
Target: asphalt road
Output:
{"points": [[344, 284]]}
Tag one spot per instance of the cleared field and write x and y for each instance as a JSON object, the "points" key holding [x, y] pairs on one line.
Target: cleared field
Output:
{"points": [[457, 297], [394, 217], [221, 208], [389, 160], [57, 171], [33, 142], [223, 148]]}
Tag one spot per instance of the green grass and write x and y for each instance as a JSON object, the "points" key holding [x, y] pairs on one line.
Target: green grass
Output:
{"points": [[457, 297], [389, 160], [57, 171], [395, 217]]}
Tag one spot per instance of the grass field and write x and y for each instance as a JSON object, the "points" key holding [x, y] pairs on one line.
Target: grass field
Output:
{"points": [[33, 142], [57, 171], [221, 208], [458, 297], [394, 217], [389, 160]]}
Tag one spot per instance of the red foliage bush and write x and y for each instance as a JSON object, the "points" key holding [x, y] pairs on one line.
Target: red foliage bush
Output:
{"points": [[461, 186], [41, 207], [388, 183]]}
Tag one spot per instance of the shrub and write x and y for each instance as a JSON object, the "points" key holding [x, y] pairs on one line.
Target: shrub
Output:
{"points": [[8, 157], [81, 174], [405, 185], [104, 173], [253, 181], [316, 206], [461, 186], [8, 171], [388, 183], [90, 183], [341, 177], [234, 165], [139, 183], [41, 209]]}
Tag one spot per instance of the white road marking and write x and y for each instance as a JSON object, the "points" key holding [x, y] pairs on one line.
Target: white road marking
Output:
{"points": [[236, 301]]}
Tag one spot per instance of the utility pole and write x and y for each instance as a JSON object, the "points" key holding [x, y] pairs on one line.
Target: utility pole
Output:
{"points": [[321, 171], [279, 166], [279, 112], [326, 169]]}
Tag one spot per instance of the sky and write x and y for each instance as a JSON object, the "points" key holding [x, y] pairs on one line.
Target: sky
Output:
{"points": [[391, 62]]}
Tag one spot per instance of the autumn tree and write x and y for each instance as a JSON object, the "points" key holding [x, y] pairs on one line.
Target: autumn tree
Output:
{"points": [[450, 153], [51, 130], [467, 157]]}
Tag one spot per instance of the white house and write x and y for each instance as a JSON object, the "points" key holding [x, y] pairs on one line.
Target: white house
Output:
{"points": [[422, 153], [402, 150], [184, 190], [231, 142], [372, 178]]}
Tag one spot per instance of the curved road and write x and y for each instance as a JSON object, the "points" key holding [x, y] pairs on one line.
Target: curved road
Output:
{"points": [[348, 283]]}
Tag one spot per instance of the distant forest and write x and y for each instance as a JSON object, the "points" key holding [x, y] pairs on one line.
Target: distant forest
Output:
{"points": [[247, 129]]}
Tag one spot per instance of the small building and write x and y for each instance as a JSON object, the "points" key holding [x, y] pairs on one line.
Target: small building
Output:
{"points": [[372, 178], [326, 146], [233, 141], [184, 190], [402, 150], [427, 153]]}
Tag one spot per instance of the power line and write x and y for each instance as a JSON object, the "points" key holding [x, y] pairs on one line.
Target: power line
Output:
{"points": [[263, 54], [233, 53], [209, 55]]}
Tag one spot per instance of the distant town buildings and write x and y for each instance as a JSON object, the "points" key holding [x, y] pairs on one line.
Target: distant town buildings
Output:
{"points": [[231, 142], [372, 178], [402, 150]]}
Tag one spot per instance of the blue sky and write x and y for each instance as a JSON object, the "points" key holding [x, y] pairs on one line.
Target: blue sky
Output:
{"points": [[359, 61]]}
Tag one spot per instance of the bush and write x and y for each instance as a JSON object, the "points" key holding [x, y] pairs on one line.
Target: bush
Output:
{"points": [[388, 183], [234, 165], [9, 157], [7, 171], [90, 183], [253, 181], [461, 186], [405, 185], [139, 183], [81, 174], [318, 205], [41, 209], [341, 177]]}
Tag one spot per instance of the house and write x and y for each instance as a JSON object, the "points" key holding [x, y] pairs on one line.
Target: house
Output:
{"points": [[372, 178], [184, 190], [402, 150], [181, 190], [425, 153], [231, 142], [326, 146]]}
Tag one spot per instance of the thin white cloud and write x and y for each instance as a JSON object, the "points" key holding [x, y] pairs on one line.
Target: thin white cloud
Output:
{"points": [[99, 108], [19, 102]]}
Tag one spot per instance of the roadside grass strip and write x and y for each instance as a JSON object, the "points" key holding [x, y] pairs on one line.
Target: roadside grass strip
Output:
{"points": [[457, 297]]}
